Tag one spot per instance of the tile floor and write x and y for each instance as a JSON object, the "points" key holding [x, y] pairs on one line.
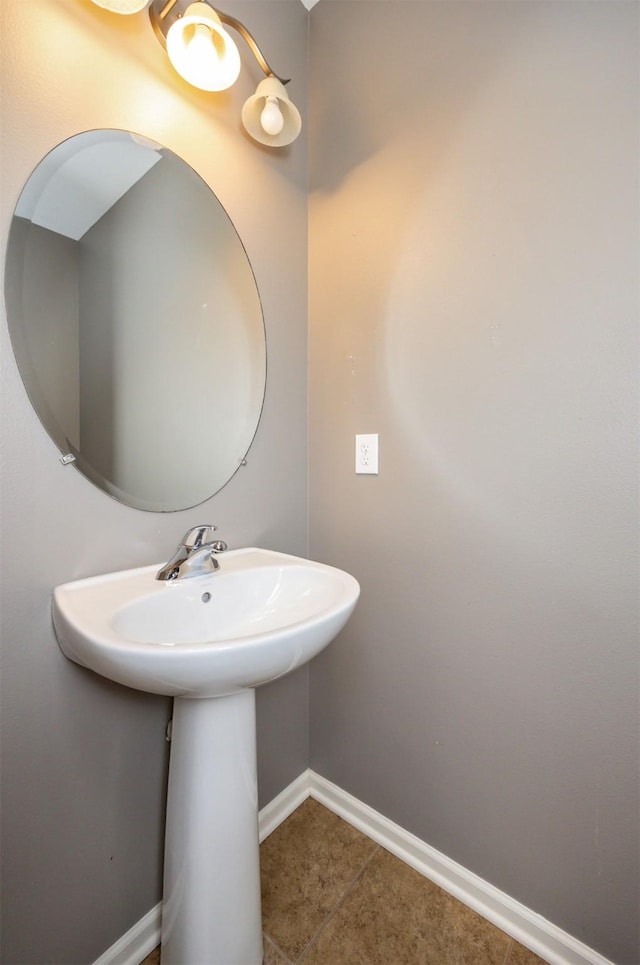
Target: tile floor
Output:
{"points": [[332, 896]]}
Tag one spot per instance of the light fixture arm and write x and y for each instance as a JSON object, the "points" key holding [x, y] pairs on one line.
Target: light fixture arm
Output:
{"points": [[251, 44], [168, 7], [158, 16]]}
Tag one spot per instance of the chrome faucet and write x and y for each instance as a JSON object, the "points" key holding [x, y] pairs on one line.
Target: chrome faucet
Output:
{"points": [[194, 556]]}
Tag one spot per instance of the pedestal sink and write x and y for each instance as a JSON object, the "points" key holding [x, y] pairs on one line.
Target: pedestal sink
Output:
{"points": [[208, 641]]}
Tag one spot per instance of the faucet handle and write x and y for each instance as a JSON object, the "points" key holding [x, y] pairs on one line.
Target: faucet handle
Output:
{"points": [[197, 536]]}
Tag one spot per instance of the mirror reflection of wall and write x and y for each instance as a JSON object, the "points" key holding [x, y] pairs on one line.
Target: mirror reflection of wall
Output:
{"points": [[141, 339], [51, 319]]}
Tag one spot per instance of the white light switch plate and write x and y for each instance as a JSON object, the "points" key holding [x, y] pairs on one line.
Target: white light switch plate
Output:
{"points": [[367, 453]]}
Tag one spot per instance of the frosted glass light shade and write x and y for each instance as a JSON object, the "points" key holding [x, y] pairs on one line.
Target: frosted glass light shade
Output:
{"points": [[122, 6], [202, 51], [254, 108]]}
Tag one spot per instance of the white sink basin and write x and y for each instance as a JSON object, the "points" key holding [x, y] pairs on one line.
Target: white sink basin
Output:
{"points": [[214, 637], [259, 616]]}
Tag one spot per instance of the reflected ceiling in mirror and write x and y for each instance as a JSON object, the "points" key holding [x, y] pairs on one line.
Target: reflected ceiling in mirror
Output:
{"points": [[135, 320]]}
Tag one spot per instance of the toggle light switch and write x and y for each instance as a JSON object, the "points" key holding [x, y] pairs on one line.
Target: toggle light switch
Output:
{"points": [[367, 453]]}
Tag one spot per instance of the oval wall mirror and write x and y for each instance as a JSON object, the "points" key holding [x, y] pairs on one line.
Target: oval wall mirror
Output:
{"points": [[135, 320]]}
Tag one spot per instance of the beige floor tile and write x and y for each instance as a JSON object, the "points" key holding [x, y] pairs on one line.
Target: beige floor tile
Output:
{"points": [[519, 955], [306, 866], [394, 915]]}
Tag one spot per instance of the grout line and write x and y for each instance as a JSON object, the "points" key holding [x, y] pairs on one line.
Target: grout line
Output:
{"points": [[275, 945], [350, 887]]}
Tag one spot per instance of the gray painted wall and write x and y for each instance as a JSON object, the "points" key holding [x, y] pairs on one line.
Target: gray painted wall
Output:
{"points": [[474, 300], [84, 762]]}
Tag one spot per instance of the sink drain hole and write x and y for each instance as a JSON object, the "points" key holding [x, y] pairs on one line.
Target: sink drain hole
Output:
{"points": [[206, 597]]}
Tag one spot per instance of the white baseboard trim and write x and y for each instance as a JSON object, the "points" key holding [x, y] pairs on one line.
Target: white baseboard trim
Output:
{"points": [[276, 811], [137, 942], [549, 942]]}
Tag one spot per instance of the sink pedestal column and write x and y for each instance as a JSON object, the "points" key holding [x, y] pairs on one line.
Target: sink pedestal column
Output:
{"points": [[211, 909]]}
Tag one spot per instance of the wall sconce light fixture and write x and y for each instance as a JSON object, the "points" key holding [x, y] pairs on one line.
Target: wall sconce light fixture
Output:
{"points": [[205, 55]]}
